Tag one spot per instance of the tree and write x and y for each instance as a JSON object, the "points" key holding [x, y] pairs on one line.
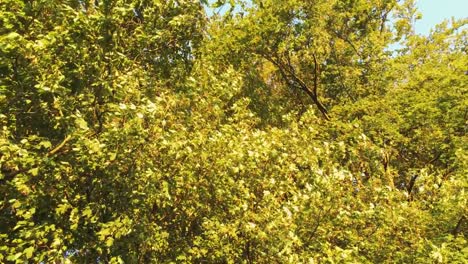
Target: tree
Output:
{"points": [[78, 85], [326, 46], [146, 132]]}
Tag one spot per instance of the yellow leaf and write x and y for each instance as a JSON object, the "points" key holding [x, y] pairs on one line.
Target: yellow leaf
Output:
{"points": [[29, 252]]}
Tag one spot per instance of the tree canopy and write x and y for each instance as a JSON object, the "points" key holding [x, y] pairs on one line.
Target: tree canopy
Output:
{"points": [[276, 131]]}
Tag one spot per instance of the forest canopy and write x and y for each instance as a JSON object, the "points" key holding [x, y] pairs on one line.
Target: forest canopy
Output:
{"points": [[268, 131]]}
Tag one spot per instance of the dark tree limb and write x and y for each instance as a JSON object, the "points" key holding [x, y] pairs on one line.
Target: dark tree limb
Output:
{"points": [[411, 186], [289, 75], [458, 227]]}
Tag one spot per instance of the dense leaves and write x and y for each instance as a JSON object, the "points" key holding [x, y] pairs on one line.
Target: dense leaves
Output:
{"points": [[275, 132]]}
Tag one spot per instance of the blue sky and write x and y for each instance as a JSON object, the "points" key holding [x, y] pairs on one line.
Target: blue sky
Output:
{"points": [[435, 11]]}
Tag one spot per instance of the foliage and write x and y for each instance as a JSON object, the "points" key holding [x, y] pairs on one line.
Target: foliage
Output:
{"points": [[278, 132]]}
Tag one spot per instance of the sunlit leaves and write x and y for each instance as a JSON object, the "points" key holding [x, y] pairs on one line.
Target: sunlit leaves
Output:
{"points": [[125, 138]]}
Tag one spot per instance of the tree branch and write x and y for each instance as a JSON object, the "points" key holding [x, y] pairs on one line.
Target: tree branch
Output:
{"points": [[291, 78], [56, 149], [457, 228]]}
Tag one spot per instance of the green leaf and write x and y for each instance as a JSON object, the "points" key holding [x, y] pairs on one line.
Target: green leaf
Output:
{"points": [[109, 241], [82, 124], [45, 144], [34, 171], [87, 212], [29, 252], [14, 257]]}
